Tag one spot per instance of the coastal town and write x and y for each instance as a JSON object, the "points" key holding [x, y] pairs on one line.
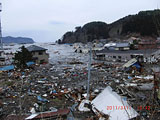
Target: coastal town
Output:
{"points": [[122, 78], [98, 71]]}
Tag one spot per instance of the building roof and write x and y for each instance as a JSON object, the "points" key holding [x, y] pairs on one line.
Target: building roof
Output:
{"points": [[148, 51], [122, 45], [110, 103], [110, 45], [35, 48], [116, 45]]}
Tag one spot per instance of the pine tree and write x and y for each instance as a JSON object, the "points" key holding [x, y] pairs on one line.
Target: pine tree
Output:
{"points": [[22, 57]]}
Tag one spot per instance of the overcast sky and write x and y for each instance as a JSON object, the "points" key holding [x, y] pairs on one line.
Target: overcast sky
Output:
{"points": [[48, 20]]}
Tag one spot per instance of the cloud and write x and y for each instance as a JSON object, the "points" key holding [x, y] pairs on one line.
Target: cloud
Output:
{"points": [[56, 23], [55, 17]]}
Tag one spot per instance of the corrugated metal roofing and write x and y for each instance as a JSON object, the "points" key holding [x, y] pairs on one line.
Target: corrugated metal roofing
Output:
{"points": [[130, 62]]}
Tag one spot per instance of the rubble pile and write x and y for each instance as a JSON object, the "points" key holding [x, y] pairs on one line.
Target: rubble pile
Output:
{"points": [[53, 87]]}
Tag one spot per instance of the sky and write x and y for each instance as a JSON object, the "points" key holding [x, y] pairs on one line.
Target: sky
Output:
{"points": [[48, 20]]}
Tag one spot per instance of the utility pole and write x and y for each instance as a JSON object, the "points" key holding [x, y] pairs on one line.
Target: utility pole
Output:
{"points": [[156, 87], [1, 42], [89, 71]]}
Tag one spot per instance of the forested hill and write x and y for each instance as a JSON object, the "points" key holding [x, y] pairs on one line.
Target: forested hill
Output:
{"points": [[18, 40], [145, 23]]}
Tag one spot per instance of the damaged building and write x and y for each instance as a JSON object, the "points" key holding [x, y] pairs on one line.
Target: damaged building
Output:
{"points": [[39, 54], [150, 55], [2, 58]]}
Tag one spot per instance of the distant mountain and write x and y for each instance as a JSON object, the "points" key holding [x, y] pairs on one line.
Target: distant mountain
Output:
{"points": [[145, 23], [19, 40]]}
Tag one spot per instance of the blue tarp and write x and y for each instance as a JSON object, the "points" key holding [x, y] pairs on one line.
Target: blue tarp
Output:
{"points": [[42, 99], [22, 73], [54, 91], [7, 68], [68, 43], [30, 63], [11, 67], [129, 77], [136, 65]]}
